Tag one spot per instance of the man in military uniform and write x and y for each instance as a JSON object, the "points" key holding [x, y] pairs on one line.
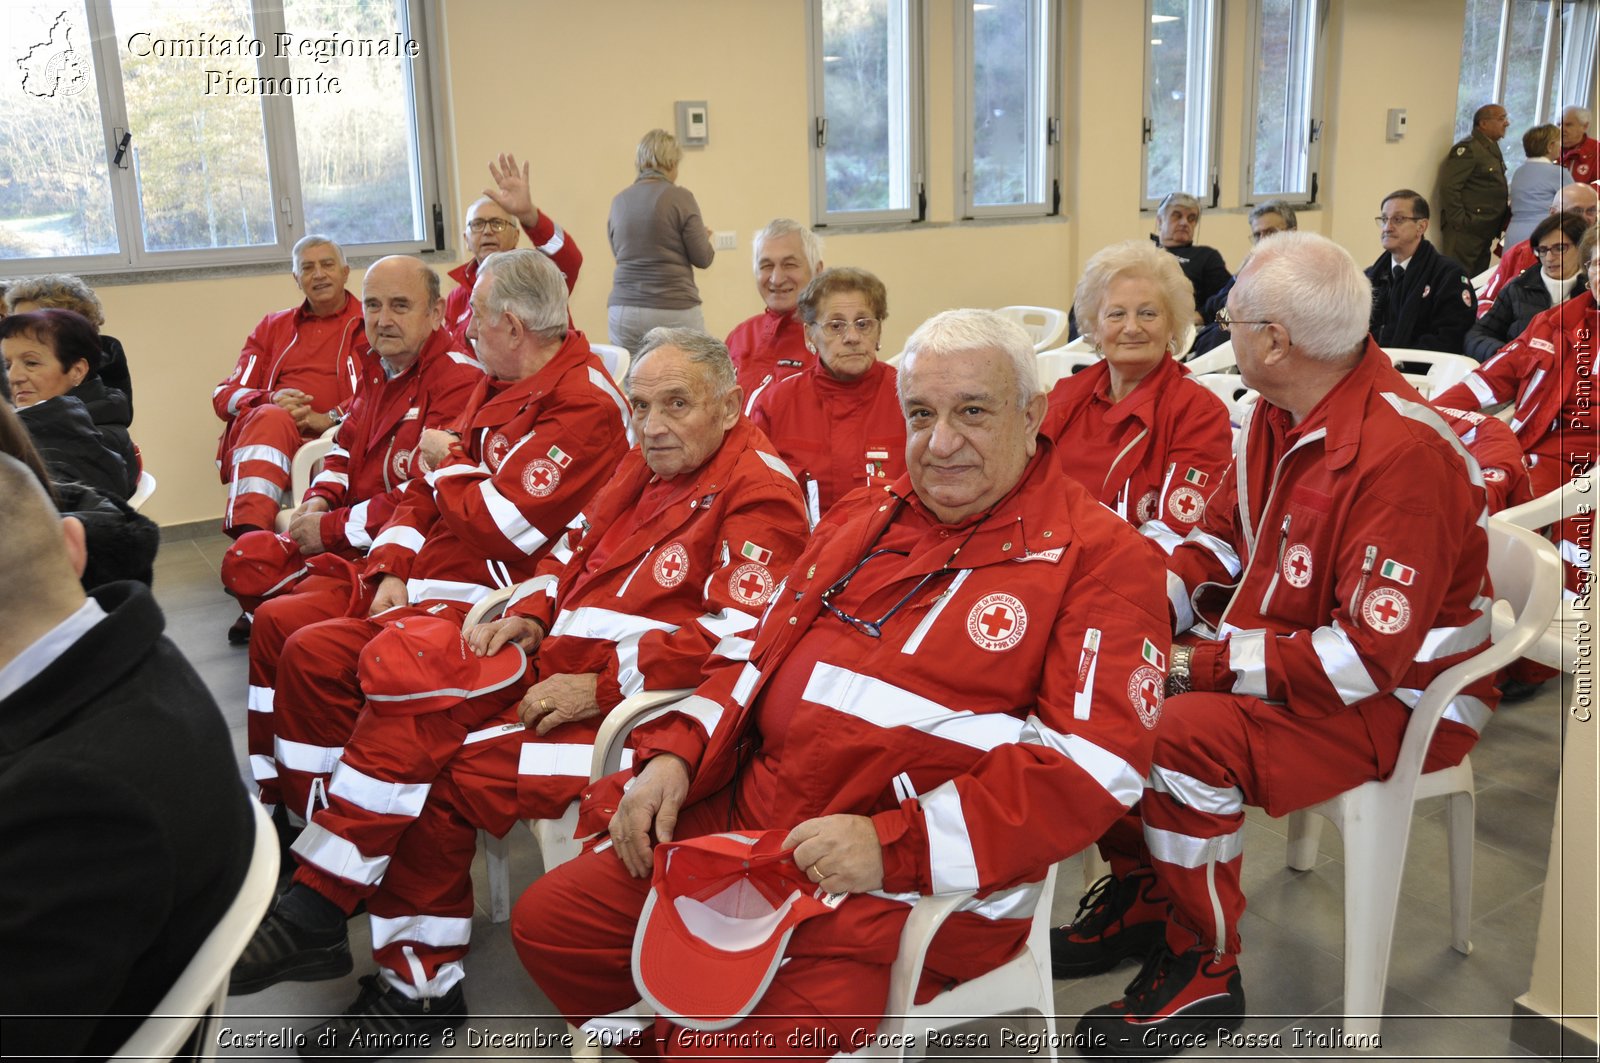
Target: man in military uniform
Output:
{"points": [[1473, 201]]}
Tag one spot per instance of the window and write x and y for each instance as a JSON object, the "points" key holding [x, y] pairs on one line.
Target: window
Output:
{"points": [[1009, 132], [1533, 56], [140, 134], [1282, 130], [1180, 100], [866, 94]]}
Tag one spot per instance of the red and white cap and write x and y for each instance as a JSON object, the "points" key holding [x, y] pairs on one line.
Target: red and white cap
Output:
{"points": [[423, 663], [260, 565], [715, 925]]}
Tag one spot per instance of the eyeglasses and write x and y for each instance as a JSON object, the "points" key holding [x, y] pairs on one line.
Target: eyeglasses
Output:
{"points": [[1395, 219], [1553, 249], [1226, 322], [864, 325], [494, 225], [873, 629]]}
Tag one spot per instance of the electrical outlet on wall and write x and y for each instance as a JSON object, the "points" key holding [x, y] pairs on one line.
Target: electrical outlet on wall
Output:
{"points": [[724, 241]]}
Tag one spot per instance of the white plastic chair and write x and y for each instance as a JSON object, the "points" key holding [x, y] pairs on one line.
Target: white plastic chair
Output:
{"points": [[303, 468], [1216, 360], [616, 359], [141, 494], [1045, 324], [1063, 362], [197, 998], [1556, 647], [1231, 389], [1375, 817], [1444, 370]]}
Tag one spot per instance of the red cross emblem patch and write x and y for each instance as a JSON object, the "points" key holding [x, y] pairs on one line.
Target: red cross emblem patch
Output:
{"points": [[997, 622], [1386, 610], [1186, 504], [1146, 507], [1297, 565], [540, 477], [401, 464], [495, 451], [751, 584], [1146, 690], [672, 565]]}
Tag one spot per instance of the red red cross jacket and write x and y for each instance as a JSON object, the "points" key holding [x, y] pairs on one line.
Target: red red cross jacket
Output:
{"points": [[1542, 370], [767, 347], [1003, 720], [292, 349], [1156, 455], [532, 453], [1498, 454], [836, 435], [367, 469], [548, 238], [661, 580], [1582, 161], [1361, 538]]}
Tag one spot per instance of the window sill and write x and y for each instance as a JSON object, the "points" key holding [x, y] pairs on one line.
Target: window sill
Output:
{"points": [[439, 260]]}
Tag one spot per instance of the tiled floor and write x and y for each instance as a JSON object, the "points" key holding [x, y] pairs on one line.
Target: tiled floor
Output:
{"points": [[1441, 1005]]}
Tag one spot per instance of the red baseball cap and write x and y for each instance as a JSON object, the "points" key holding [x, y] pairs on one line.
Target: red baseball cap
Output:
{"points": [[715, 925], [260, 565], [423, 663]]}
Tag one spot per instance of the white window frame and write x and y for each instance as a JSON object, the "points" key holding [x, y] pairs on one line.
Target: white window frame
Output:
{"points": [[1201, 127], [909, 171], [1579, 95], [1312, 20], [1044, 117], [283, 168]]}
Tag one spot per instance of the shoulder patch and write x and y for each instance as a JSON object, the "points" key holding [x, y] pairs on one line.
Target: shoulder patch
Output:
{"points": [[1461, 149], [1542, 345]]}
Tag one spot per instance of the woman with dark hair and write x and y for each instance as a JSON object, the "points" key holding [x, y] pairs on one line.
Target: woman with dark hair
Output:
{"points": [[63, 291], [1554, 278], [79, 425]]}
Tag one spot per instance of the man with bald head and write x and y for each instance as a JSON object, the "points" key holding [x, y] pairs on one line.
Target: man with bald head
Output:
{"points": [[1474, 203], [492, 225], [1578, 198], [1580, 153], [126, 831], [410, 377]]}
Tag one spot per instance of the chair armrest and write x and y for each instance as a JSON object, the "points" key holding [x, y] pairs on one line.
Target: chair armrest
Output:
{"points": [[611, 739], [1551, 506], [490, 608], [927, 916]]}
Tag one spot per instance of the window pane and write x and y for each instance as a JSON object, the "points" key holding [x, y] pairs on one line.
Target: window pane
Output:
{"points": [[1008, 103], [1283, 97], [200, 157], [55, 188], [1523, 56], [1177, 154], [1573, 64], [1480, 51], [865, 98], [358, 148]]}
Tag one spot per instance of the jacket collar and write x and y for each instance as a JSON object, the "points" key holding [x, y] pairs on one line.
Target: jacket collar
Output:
{"points": [[1343, 410], [1140, 403], [572, 354], [302, 313], [865, 383], [466, 274]]}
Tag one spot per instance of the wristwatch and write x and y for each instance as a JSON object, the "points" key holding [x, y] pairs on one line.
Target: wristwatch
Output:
{"points": [[1178, 680]]}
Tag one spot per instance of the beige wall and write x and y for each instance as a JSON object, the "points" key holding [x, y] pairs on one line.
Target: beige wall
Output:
{"points": [[583, 81]]}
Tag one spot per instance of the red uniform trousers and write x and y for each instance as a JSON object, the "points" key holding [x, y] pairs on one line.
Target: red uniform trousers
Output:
{"points": [[318, 698], [315, 598], [264, 441], [584, 951], [1217, 752]]}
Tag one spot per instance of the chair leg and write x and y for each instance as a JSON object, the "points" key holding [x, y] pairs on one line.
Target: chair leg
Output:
{"points": [[581, 1048], [1460, 813], [1094, 867], [1374, 844], [499, 871], [1305, 837]]}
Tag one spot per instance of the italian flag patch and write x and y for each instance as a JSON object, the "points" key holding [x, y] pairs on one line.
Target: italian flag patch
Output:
{"points": [[755, 553], [1153, 656], [1394, 570], [1196, 477], [559, 456]]}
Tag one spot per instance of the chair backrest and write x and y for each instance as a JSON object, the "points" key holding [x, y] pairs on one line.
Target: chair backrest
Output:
{"points": [[615, 358], [1552, 506], [1483, 278], [1063, 362], [1439, 369], [1045, 324], [146, 488], [1231, 389], [197, 996], [1215, 360], [307, 463], [1526, 572]]}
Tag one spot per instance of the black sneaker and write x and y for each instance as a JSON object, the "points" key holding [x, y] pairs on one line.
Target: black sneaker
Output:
{"points": [[383, 1021], [1117, 920], [239, 633], [1176, 1001], [282, 951]]}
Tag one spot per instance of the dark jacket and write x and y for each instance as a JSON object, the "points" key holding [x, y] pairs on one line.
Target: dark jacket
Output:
{"points": [[73, 447], [114, 368], [1203, 266], [1433, 308], [1516, 305], [112, 413], [127, 833], [122, 545]]}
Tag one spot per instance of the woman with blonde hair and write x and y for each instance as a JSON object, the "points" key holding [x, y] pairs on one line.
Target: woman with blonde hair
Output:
{"points": [[659, 239]]}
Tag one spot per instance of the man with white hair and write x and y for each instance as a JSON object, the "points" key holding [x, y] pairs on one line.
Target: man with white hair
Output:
{"points": [[955, 660], [772, 344], [1580, 153], [1352, 525], [1580, 199]]}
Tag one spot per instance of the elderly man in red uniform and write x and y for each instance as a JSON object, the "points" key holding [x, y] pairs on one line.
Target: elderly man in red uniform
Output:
{"points": [[293, 381], [955, 687], [772, 345], [664, 573], [1580, 153], [1352, 524], [410, 377], [491, 226]]}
